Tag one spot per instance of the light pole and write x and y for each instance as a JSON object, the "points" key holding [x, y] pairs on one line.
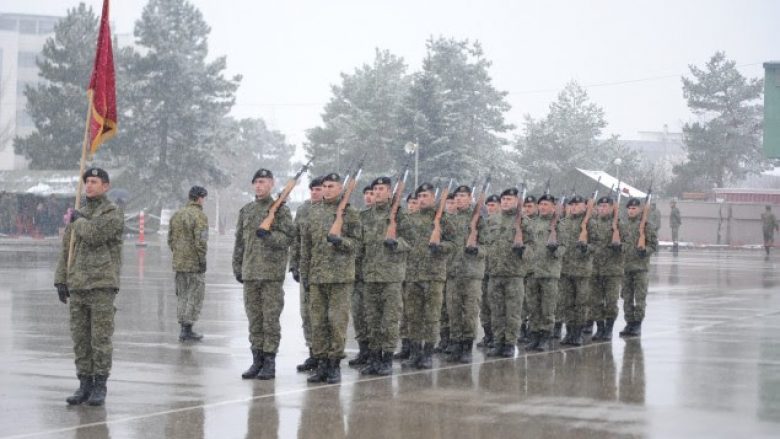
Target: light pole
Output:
{"points": [[617, 162], [414, 148]]}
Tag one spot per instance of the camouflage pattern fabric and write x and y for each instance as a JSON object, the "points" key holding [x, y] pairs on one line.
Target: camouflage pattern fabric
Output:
{"points": [[190, 290], [506, 298], [91, 327], [188, 239], [256, 258], [423, 309], [329, 311], [383, 312], [263, 302]]}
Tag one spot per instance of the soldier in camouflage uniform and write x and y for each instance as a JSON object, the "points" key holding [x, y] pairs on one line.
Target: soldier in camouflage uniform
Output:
{"points": [[637, 262], [493, 207], [769, 227], [507, 265], [91, 281], [530, 214], [464, 278], [8, 211], [328, 263], [384, 269], [358, 309], [607, 269], [412, 206], [444, 320], [574, 285], [426, 272], [301, 215], [542, 293], [188, 238], [675, 221], [260, 262]]}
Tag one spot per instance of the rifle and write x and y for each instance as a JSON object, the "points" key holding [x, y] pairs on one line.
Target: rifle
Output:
{"points": [[392, 228], [588, 213], [471, 240], [553, 238], [615, 215], [642, 241], [338, 223], [518, 242], [288, 188], [435, 238]]}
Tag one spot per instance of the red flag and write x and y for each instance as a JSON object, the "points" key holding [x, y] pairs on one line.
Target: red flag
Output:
{"points": [[102, 88]]}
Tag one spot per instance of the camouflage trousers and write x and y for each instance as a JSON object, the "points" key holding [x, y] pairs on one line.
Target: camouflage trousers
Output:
{"points": [[574, 294], [463, 307], [190, 289], [604, 293], [403, 330], [359, 320], [675, 234], [91, 327], [634, 295], [329, 312], [444, 317], [484, 304], [506, 298], [542, 298], [304, 310], [263, 302], [524, 314], [383, 312], [423, 308]]}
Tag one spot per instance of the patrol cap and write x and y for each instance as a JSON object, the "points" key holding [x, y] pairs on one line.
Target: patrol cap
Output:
{"points": [[493, 199], [197, 192], [315, 182], [381, 180], [334, 177], [605, 200], [95, 172], [576, 199], [633, 202], [368, 188], [451, 196], [411, 196], [529, 199], [511, 192], [425, 187], [262, 173], [546, 197], [462, 189]]}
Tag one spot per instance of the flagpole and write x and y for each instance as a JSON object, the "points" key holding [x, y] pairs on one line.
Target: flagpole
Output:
{"points": [[81, 173]]}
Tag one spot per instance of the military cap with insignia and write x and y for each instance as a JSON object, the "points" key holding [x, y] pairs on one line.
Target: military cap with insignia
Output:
{"points": [[529, 199], [333, 177], [197, 192], [511, 192], [546, 197], [451, 196], [425, 187], [576, 199], [95, 172], [493, 199], [381, 180], [262, 173], [605, 200], [633, 202], [315, 182], [368, 188], [411, 196], [462, 189]]}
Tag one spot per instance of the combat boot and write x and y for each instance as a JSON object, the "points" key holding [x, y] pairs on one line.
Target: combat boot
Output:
{"points": [[508, 351], [334, 370], [386, 364], [495, 351], [487, 340], [444, 340], [588, 328], [465, 351], [608, 324], [257, 364], [404, 353], [98, 395], [415, 352], [308, 364], [426, 359], [636, 330], [627, 330], [321, 373], [576, 338], [183, 333], [374, 358], [544, 342], [556, 334], [533, 341], [362, 356], [599, 335], [192, 335], [82, 393], [268, 371], [455, 352], [524, 334]]}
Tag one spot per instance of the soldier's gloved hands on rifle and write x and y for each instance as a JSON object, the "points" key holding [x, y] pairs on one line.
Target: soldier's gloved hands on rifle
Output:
{"points": [[518, 250], [615, 246], [333, 239], [552, 246], [641, 252], [239, 278], [62, 291], [434, 248], [296, 274], [582, 247], [472, 250], [263, 233], [392, 244]]}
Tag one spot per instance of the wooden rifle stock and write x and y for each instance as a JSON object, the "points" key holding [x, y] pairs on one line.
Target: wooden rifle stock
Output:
{"points": [[435, 238], [392, 227], [268, 221], [471, 240]]}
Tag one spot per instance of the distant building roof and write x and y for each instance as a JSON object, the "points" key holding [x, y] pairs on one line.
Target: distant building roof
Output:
{"points": [[42, 182], [608, 181]]}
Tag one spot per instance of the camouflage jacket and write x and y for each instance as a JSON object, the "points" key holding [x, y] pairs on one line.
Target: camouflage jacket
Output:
{"points": [[359, 251], [97, 249], [633, 262], [301, 215], [463, 264], [546, 263], [262, 258], [675, 220], [606, 261], [654, 219], [769, 222], [321, 261], [575, 262], [502, 261], [188, 238], [421, 264], [381, 264]]}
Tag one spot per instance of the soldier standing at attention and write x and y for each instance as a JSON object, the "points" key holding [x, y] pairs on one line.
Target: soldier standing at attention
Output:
{"points": [[91, 280], [188, 239], [655, 217], [301, 216], [449, 205], [260, 262], [576, 272], [412, 206], [770, 226], [328, 264], [530, 213], [607, 269], [358, 308], [637, 262], [444, 320], [675, 221], [493, 207]]}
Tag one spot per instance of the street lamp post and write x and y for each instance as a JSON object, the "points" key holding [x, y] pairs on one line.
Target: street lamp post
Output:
{"points": [[617, 162], [414, 148]]}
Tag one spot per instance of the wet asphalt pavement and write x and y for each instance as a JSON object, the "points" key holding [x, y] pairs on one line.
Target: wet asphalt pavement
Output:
{"points": [[708, 365]]}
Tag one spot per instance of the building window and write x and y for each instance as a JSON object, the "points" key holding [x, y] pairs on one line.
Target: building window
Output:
{"points": [[7, 24], [27, 59], [28, 27]]}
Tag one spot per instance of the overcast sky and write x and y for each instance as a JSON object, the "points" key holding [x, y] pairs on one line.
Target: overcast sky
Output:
{"points": [[630, 54]]}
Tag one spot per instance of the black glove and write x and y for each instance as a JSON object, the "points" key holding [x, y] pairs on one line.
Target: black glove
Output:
{"points": [[472, 250], [239, 279], [434, 248], [392, 244], [296, 274], [74, 215], [615, 246], [62, 291], [518, 250], [333, 239], [641, 252], [262, 233], [582, 247], [202, 267], [552, 246]]}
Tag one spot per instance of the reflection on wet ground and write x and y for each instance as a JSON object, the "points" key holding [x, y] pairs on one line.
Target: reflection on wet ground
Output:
{"points": [[708, 365]]}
